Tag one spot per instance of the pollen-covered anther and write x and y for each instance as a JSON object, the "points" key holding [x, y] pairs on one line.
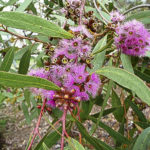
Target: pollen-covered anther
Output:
{"points": [[77, 99], [71, 105], [62, 89], [72, 91], [66, 96]]}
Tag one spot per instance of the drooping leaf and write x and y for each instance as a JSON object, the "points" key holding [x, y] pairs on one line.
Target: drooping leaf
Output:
{"points": [[26, 113], [142, 142], [32, 23], [8, 59], [21, 81], [25, 62], [117, 136], [126, 61], [127, 80], [142, 16], [137, 111], [99, 58], [97, 144], [24, 5], [118, 113]]}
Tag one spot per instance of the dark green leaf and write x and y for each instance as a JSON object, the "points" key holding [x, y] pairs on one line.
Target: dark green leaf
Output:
{"points": [[99, 145], [137, 111], [32, 23], [21, 81], [118, 113], [26, 113], [117, 136], [8, 59], [25, 62]]}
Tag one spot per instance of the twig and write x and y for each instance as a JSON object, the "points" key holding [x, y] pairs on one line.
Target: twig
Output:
{"points": [[36, 130], [63, 119], [81, 11], [22, 37], [136, 7], [105, 21]]}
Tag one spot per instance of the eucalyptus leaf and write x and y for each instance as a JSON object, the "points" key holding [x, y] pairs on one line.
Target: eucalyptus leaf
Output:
{"points": [[32, 23]]}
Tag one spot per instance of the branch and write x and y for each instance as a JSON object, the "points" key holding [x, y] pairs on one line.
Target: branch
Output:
{"points": [[81, 11], [136, 7], [105, 21], [22, 37]]}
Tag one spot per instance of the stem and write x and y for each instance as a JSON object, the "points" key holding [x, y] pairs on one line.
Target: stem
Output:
{"points": [[63, 119], [105, 21], [136, 7], [36, 130], [80, 137], [81, 11], [21, 36]]}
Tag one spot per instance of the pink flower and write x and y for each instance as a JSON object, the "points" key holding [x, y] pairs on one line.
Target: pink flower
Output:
{"points": [[133, 39]]}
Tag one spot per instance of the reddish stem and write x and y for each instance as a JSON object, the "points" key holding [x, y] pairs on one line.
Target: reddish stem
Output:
{"points": [[36, 130], [63, 119]]}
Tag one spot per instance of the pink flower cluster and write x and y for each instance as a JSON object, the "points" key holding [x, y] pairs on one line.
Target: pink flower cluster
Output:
{"points": [[68, 69], [116, 17], [133, 38]]}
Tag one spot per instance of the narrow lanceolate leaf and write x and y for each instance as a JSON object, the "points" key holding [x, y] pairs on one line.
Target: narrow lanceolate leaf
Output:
{"points": [[97, 144], [126, 62], [8, 59], [99, 58], [117, 136], [32, 23], [128, 80], [21, 81], [24, 5], [143, 16], [142, 143], [24, 62]]}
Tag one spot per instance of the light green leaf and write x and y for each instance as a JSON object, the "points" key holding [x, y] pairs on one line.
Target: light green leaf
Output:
{"points": [[126, 61], [143, 16], [142, 143], [32, 23], [8, 59], [21, 81], [24, 5], [128, 80], [11, 2], [99, 58], [76, 144]]}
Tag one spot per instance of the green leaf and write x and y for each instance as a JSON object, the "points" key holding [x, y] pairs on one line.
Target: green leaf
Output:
{"points": [[8, 59], [136, 110], [143, 125], [127, 80], [26, 113], [21, 52], [32, 23], [21, 81], [76, 144], [142, 142], [117, 136], [97, 144], [126, 61], [99, 58], [11, 2], [24, 5], [25, 62], [143, 16], [142, 75], [49, 139], [118, 113]]}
